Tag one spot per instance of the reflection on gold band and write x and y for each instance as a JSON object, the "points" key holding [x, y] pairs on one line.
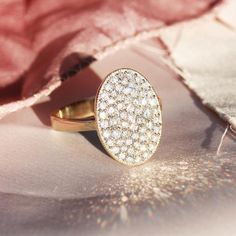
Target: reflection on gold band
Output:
{"points": [[76, 117]]}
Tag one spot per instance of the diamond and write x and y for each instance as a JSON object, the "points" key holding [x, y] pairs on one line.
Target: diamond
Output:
{"points": [[125, 124], [104, 124], [153, 102], [147, 113], [111, 110], [122, 156], [115, 150], [120, 106], [116, 134], [106, 133], [103, 115], [129, 120], [108, 87], [102, 105], [129, 141], [110, 142]]}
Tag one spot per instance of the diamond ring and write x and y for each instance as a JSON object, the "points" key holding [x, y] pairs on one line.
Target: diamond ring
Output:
{"points": [[126, 113]]}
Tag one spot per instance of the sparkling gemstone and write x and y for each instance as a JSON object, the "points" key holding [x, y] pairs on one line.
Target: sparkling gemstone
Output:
{"points": [[127, 90], [104, 124], [106, 133], [147, 113], [120, 106], [123, 115], [102, 105], [111, 110], [124, 148], [135, 136], [122, 156], [116, 134], [128, 117], [125, 124], [153, 102], [129, 141], [144, 102], [103, 115], [115, 150], [108, 87], [110, 142]]}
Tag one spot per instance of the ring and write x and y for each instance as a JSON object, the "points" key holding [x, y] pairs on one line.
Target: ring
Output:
{"points": [[126, 113]]}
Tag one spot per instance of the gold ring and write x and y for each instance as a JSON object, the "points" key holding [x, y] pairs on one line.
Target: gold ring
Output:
{"points": [[126, 113]]}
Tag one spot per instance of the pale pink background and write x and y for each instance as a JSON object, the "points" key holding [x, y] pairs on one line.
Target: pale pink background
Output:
{"points": [[54, 183]]}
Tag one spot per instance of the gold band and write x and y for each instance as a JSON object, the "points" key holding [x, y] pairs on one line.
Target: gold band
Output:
{"points": [[76, 117]]}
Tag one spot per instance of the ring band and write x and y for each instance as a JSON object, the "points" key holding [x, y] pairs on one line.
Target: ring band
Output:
{"points": [[76, 117], [126, 113]]}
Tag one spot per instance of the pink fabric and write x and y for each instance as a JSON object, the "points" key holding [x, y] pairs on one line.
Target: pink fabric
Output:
{"points": [[36, 36]]}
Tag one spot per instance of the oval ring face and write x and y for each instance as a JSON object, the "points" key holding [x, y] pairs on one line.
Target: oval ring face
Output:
{"points": [[128, 116]]}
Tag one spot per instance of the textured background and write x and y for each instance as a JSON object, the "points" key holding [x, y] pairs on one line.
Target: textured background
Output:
{"points": [[54, 183]]}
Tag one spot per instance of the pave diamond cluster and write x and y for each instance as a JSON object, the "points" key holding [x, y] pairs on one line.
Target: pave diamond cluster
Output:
{"points": [[128, 117]]}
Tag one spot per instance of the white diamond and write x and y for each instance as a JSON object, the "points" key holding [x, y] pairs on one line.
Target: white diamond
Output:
{"points": [[124, 81], [130, 108], [120, 106], [111, 110], [154, 138], [143, 138], [147, 113], [136, 145], [122, 156], [130, 159], [156, 129], [127, 90], [140, 120], [149, 125], [118, 88], [102, 105], [115, 150], [142, 129], [110, 142], [119, 142], [103, 115], [104, 124], [153, 102], [106, 133], [133, 127], [149, 134], [151, 147], [129, 141], [135, 136], [123, 148], [130, 151], [113, 93], [144, 101], [125, 124], [143, 148], [145, 155], [120, 75], [138, 111], [123, 115], [116, 134], [131, 118], [104, 95], [111, 101], [108, 87], [114, 80], [114, 121]]}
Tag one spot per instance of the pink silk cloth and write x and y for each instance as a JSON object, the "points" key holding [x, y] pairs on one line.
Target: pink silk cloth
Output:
{"points": [[42, 43]]}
